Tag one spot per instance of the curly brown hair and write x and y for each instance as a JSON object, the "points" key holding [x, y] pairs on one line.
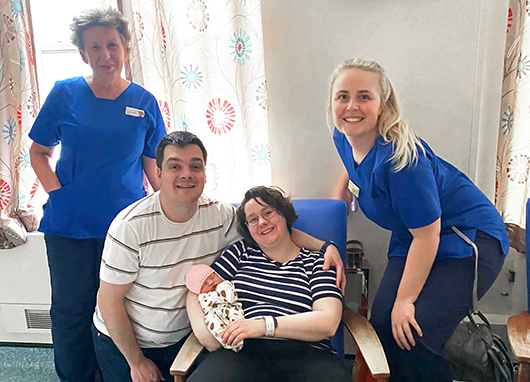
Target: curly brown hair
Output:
{"points": [[273, 197]]}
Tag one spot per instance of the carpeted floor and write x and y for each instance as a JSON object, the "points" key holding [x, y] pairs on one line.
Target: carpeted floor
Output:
{"points": [[35, 364], [24, 364]]}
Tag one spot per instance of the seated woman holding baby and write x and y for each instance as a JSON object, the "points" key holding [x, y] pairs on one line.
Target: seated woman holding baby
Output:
{"points": [[291, 305]]}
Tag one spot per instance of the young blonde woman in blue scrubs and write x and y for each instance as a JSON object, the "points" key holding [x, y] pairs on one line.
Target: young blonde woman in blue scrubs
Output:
{"points": [[402, 186]]}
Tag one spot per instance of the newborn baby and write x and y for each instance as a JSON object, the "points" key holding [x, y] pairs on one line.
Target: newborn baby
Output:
{"points": [[218, 300]]}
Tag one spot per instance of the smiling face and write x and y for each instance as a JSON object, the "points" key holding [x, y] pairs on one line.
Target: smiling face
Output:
{"points": [[356, 104], [104, 51], [211, 283], [270, 228], [182, 175]]}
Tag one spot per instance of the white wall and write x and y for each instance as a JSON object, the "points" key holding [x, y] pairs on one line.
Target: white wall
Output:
{"points": [[444, 58]]}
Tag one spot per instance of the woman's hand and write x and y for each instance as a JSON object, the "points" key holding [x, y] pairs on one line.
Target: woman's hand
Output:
{"points": [[238, 330], [402, 320], [422, 252]]}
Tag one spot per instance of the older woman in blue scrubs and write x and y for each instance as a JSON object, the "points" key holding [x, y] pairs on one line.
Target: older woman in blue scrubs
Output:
{"points": [[108, 128], [402, 186]]}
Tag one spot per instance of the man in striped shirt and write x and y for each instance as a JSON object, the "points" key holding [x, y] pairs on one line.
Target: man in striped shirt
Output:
{"points": [[140, 321]]}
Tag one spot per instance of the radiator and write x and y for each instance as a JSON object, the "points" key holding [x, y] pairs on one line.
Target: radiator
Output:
{"points": [[25, 293]]}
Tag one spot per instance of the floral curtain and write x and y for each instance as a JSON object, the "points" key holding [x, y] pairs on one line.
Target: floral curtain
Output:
{"points": [[203, 60], [19, 105], [513, 155]]}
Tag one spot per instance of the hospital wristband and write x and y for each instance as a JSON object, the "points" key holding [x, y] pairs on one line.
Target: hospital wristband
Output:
{"points": [[270, 326]]}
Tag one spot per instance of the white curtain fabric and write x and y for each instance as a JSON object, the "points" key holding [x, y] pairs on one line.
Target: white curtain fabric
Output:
{"points": [[19, 105], [203, 60], [513, 155]]}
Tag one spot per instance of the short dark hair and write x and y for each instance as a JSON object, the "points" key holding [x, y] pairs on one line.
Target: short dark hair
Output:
{"points": [[275, 198], [180, 139], [99, 17]]}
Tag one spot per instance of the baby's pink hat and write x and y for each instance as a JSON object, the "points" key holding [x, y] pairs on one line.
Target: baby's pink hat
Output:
{"points": [[196, 276]]}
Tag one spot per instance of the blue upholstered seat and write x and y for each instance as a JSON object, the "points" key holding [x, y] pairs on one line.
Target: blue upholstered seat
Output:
{"points": [[325, 219]]}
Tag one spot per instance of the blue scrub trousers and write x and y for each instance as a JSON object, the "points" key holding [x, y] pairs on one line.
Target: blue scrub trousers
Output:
{"points": [[114, 366], [74, 275], [444, 301]]}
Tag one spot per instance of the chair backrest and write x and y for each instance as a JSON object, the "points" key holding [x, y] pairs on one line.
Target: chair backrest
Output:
{"points": [[527, 256], [325, 219]]}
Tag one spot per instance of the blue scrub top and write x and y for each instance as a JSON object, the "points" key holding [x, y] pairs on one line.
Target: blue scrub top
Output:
{"points": [[102, 143], [417, 196]]}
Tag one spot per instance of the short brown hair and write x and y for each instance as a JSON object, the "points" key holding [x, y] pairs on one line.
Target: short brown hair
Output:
{"points": [[180, 139], [99, 17]]}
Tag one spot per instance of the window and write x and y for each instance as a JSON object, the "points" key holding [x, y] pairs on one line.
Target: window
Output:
{"points": [[57, 57]]}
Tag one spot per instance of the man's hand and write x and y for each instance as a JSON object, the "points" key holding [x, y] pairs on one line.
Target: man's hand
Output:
{"points": [[146, 371], [402, 323], [332, 259]]}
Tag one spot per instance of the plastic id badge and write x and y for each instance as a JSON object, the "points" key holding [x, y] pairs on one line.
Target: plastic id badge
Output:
{"points": [[134, 112], [352, 187]]}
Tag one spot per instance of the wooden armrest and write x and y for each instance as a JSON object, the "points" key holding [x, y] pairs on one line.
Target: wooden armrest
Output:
{"points": [[519, 336], [186, 357], [367, 343]]}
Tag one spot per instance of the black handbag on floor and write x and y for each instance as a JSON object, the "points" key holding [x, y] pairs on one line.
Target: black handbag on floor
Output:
{"points": [[476, 354]]}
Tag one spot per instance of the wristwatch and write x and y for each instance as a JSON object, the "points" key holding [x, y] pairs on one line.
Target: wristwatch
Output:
{"points": [[327, 244]]}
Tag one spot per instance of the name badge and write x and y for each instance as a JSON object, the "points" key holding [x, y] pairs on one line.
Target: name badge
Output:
{"points": [[134, 112], [353, 188]]}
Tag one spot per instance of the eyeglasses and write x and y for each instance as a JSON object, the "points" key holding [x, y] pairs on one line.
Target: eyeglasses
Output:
{"points": [[266, 214]]}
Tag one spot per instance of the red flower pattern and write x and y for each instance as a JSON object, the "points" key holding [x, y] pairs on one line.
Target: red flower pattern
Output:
{"points": [[220, 116], [5, 194]]}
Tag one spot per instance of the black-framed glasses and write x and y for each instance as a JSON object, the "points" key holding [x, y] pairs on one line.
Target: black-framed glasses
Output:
{"points": [[266, 214]]}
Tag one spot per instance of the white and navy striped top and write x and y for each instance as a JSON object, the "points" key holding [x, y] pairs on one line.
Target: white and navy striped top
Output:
{"points": [[270, 288]]}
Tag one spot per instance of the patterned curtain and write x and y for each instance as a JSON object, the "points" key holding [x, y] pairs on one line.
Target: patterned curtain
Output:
{"points": [[19, 105], [513, 155], [203, 60]]}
